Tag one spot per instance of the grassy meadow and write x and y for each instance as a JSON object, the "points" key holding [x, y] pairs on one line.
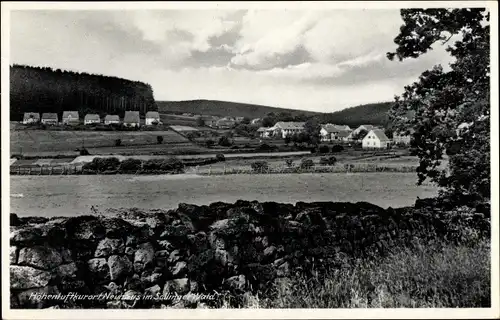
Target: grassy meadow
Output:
{"points": [[440, 275]]}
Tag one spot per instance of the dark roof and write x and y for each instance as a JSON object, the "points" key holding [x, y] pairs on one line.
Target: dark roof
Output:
{"points": [[343, 133], [28, 115], [290, 125], [112, 117], [380, 135], [92, 116], [152, 114], [73, 114], [131, 117], [49, 116]]}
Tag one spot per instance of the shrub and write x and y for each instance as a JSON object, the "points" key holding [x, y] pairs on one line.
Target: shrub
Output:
{"points": [[337, 148], [224, 141], [84, 152], [102, 164], [260, 166], [313, 149], [220, 157], [328, 161], [306, 164], [159, 139], [118, 142], [289, 162], [324, 149], [209, 143], [129, 165]]}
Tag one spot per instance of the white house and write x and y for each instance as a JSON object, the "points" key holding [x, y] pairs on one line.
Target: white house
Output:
{"points": [[375, 139], [91, 118], [264, 132], [333, 132], [31, 117], [49, 118], [152, 117], [111, 119], [131, 119], [285, 129], [71, 118]]}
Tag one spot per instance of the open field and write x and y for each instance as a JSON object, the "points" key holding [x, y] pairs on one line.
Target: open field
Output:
{"points": [[71, 195], [439, 275], [31, 141]]}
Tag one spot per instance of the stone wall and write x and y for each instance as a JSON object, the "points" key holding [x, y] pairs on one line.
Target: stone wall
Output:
{"points": [[224, 248]]}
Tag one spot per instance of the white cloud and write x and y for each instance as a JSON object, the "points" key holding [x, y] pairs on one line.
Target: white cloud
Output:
{"points": [[344, 63]]}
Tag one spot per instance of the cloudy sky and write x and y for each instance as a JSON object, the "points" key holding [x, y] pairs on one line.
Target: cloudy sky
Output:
{"points": [[313, 60]]}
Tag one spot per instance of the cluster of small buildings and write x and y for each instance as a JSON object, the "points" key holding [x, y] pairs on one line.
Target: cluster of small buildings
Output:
{"points": [[131, 118], [375, 137], [226, 122]]}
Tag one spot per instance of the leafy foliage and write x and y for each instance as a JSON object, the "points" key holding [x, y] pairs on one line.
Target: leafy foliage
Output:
{"points": [[260, 166], [224, 141], [306, 164], [451, 109]]}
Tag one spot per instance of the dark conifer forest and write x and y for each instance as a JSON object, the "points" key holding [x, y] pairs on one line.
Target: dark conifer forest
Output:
{"points": [[43, 89]]}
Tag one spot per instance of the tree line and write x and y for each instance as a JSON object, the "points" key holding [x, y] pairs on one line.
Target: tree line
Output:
{"points": [[43, 89]]}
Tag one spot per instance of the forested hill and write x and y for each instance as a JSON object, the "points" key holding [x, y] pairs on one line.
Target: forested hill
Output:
{"points": [[226, 108], [42, 89], [373, 113]]}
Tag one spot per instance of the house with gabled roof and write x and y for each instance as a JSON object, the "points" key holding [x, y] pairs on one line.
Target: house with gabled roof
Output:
{"points": [[91, 118], [132, 119], [376, 139], [31, 117], [50, 118], [111, 119], [152, 117], [333, 132], [287, 128], [70, 118]]}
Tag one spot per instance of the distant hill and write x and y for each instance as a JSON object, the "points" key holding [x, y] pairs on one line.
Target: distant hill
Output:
{"points": [[42, 89], [373, 113], [226, 108]]}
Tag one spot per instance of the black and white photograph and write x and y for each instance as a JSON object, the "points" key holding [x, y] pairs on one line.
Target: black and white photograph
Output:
{"points": [[255, 159]]}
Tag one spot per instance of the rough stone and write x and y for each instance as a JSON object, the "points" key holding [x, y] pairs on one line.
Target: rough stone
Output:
{"points": [[161, 258], [216, 242], [66, 255], [179, 286], [119, 266], [67, 270], [28, 235], [131, 297], [85, 228], [237, 282], [166, 245], [28, 298], [99, 268], [174, 256], [24, 277], [179, 269], [42, 257], [107, 247], [144, 256], [13, 255], [153, 291]]}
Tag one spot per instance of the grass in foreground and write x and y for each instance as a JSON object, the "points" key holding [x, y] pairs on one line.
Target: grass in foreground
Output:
{"points": [[436, 276]]}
